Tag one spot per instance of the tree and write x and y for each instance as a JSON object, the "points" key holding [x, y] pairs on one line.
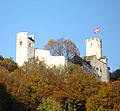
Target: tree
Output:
{"points": [[8, 64], [115, 75], [49, 105], [107, 99], [62, 47], [1, 57], [76, 89]]}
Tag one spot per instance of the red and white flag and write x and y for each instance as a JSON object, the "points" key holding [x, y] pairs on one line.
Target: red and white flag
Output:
{"points": [[97, 30]]}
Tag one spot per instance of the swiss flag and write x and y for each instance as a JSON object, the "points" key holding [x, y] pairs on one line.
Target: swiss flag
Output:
{"points": [[97, 30]]}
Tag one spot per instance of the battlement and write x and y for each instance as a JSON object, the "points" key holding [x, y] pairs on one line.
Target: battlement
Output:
{"points": [[94, 47], [93, 39], [26, 34], [22, 34]]}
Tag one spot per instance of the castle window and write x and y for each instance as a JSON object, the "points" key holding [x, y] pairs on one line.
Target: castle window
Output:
{"points": [[20, 42], [30, 45], [99, 77], [91, 44], [100, 70], [97, 69]]}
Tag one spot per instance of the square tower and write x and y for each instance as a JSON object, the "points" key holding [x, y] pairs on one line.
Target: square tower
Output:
{"points": [[94, 47], [24, 47]]}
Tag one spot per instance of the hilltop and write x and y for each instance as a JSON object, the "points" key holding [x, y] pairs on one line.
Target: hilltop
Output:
{"points": [[33, 87]]}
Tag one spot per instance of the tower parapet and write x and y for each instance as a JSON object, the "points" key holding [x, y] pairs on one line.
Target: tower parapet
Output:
{"points": [[94, 47]]}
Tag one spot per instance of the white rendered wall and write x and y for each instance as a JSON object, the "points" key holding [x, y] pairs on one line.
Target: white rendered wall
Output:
{"points": [[94, 47], [103, 60], [40, 53], [44, 55], [55, 61], [23, 50], [30, 47]]}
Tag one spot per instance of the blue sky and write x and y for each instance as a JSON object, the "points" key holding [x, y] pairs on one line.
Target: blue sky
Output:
{"points": [[74, 19]]}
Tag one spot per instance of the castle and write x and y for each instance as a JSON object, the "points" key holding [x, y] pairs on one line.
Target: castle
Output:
{"points": [[25, 49], [93, 61]]}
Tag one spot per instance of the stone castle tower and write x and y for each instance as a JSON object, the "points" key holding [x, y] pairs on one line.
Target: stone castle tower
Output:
{"points": [[95, 58], [24, 47], [94, 47]]}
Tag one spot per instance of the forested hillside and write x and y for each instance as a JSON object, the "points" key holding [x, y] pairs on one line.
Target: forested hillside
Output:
{"points": [[33, 87]]}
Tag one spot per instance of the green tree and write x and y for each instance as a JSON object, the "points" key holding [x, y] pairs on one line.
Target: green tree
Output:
{"points": [[49, 105], [1, 57]]}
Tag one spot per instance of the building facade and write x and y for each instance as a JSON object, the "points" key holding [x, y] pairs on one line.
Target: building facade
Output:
{"points": [[93, 62], [94, 47], [25, 49], [101, 68], [95, 58], [44, 55]]}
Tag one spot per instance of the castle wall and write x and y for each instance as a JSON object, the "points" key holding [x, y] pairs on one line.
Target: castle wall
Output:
{"points": [[101, 68], [21, 49], [44, 55], [56, 61], [103, 59], [40, 53], [30, 48], [24, 48], [94, 47]]}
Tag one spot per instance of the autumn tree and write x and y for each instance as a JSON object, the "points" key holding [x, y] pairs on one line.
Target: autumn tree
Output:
{"points": [[76, 89], [40, 79], [107, 99], [8, 64], [62, 47]]}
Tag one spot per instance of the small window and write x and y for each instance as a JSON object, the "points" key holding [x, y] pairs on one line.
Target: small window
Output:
{"points": [[100, 70], [97, 69], [99, 77], [30, 45], [20, 42], [91, 44]]}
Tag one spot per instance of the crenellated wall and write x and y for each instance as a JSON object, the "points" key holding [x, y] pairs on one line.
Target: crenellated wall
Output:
{"points": [[94, 47]]}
